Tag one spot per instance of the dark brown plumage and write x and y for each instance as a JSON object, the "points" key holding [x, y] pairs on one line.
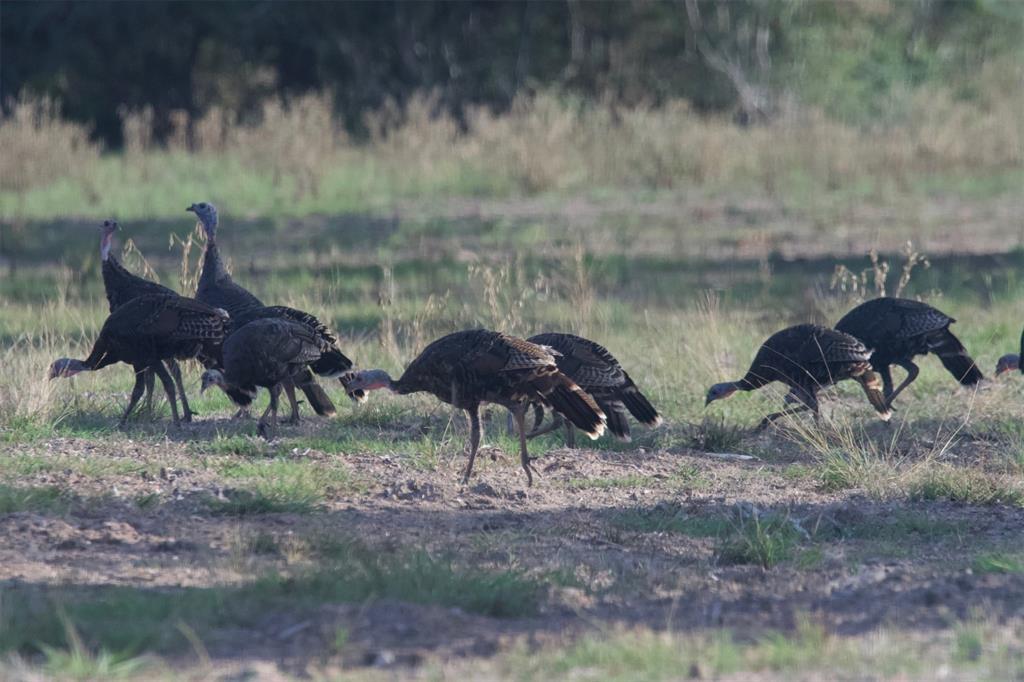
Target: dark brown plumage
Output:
{"points": [[332, 363], [807, 358], [121, 286], [146, 331], [598, 373], [468, 368], [897, 330], [217, 288], [270, 352], [1012, 361]]}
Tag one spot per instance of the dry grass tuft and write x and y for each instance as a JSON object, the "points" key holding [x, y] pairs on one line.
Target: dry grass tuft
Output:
{"points": [[40, 146]]}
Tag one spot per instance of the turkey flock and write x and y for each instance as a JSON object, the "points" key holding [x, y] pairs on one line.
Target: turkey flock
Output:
{"points": [[244, 345]]}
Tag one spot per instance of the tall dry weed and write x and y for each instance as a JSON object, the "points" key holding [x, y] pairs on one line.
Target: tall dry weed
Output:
{"points": [[40, 146]]}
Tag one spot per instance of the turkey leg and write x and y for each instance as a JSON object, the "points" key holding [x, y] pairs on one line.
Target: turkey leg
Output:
{"points": [[519, 414], [912, 372], [186, 410], [807, 398], [474, 440], [289, 390], [140, 386], [150, 382], [263, 428], [169, 388]]}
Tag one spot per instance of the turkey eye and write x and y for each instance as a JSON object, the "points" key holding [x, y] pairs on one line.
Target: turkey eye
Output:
{"points": [[202, 205]]}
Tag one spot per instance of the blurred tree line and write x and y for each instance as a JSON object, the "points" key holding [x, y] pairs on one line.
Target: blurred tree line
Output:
{"points": [[745, 57]]}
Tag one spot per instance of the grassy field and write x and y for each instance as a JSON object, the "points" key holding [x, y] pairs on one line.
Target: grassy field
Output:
{"points": [[345, 549]]}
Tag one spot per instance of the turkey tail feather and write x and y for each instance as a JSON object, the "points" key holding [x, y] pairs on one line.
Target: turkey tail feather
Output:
{"points": [[573, 403], [315, 394], [358, 395], [955, 359], [332, 363], [639, 406], [618, 422], [872, 386]]}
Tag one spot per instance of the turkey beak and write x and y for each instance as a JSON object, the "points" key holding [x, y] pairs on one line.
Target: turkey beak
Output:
{"points": [[191, 209]]}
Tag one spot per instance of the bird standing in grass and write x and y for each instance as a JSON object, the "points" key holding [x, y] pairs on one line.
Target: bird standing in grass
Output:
{"points": [[269, 353], [468, 368], [218, 289], [122, 286], [145, 332], [1012, 361], [332, 363], [598, 373], [807, 358], [897, 330]]}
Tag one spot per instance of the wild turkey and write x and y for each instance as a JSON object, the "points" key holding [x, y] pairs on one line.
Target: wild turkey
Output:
{"points": [[332, 363], [146, 331], [471, 367], [806, 358], [1012, 361], [269, 352], [122, 286], [218, 289], [598, 373], [897, 329]]}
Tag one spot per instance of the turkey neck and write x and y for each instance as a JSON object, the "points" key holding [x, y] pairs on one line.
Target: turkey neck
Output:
{"points": [[98, 357], [213, 266], [751, 382]]}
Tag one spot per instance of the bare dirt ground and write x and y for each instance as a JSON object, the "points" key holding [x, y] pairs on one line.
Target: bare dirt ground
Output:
{"points": [[604, 530]]}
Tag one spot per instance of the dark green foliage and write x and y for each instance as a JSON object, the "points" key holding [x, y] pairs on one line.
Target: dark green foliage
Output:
{"points": [[850, 58], [129, 620]]}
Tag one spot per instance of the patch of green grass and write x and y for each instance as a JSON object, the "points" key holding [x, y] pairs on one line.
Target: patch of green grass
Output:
{"points": [[132, 620], [998, 562], [277, 500], [756, 538], [40, 499], [968, 644], [242, 446], [644, 655], [147, 501], [966, 485], [90, 465], [716, 434], [279, 485], [898, 526], [670, 518], [78, 663], [846, 468]]}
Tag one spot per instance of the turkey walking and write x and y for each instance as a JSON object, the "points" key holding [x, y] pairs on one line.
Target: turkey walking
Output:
{"points": [[471, 367], [218, 289], [898, 329], [122, 286], [598, 373], [332, 363], [1012, 361], [146, 331], [268, 352], [806, 358]]}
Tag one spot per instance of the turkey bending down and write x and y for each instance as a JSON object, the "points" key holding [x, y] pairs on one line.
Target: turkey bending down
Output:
{"points": [[898, 329], [806, 358], [332, 363], [468, 368], [122, 286], [1012, 361], [269, 352], [598, 373], [218, 289], [145, 332]]}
